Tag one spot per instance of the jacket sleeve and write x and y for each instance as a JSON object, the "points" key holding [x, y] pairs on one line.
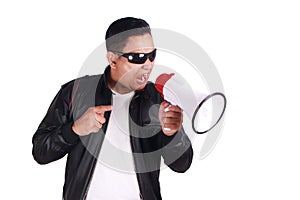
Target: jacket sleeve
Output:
{"points": [[177, 151], [54, 137]]}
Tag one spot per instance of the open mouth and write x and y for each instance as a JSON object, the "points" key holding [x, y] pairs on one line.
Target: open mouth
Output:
{"points": [[142, 78]]}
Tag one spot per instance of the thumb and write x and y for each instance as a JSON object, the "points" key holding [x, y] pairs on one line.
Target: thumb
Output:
{"points": [[165, 104]]}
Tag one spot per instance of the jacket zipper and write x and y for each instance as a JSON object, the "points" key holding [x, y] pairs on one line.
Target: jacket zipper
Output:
{"points": [[89, 184], [133, 160], [88, 187], [141, 196]]}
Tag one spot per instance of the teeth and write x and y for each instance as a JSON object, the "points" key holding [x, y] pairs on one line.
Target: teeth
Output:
{"points": [[143, 78]]}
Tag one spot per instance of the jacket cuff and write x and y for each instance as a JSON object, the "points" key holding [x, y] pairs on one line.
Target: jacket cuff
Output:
{"points": [[167, 139], [68, 134]]}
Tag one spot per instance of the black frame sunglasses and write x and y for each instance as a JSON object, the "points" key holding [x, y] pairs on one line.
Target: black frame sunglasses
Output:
{"points": [[138, 58]]}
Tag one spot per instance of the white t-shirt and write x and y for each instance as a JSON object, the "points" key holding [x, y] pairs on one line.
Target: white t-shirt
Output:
{"points": [[114, 176]]}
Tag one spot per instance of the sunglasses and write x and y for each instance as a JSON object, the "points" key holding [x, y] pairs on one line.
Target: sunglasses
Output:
{"points": [[138, 58]]}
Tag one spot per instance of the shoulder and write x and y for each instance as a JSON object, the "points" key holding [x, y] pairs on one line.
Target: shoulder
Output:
{"points": [[84, 80], [151, 91], [88, 79], [81, 83]]}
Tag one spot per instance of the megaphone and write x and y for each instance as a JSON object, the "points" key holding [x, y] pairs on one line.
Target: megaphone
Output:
{"points": [[204, 110]]}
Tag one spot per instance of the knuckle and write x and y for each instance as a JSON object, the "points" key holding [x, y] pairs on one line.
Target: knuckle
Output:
{"points": [[170, 114], [98, 117], [96, 129]]}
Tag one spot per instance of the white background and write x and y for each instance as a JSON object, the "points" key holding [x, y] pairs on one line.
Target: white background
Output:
{"points": [[254, 45]]}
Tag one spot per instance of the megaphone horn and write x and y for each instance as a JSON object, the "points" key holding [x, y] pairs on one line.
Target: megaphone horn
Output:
{"points": [[204, 110]]}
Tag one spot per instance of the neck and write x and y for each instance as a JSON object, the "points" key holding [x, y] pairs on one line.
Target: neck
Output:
{"points": [[116, 86]]}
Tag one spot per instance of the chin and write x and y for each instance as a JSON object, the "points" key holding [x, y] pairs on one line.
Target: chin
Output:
{"points": [[140, 87]]}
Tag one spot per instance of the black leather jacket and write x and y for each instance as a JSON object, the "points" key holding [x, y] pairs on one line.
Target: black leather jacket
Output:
{"points": [[54, 137]]}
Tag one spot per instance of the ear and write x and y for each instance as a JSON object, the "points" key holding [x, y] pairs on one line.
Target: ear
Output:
{"points": [[111, 58]]}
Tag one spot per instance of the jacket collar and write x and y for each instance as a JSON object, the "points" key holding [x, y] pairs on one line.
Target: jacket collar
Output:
{"points": [[103, 92], [106, 76]]}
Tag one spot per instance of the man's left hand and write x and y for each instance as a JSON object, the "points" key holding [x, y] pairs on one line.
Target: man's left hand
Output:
{"points": [[170, 118]]}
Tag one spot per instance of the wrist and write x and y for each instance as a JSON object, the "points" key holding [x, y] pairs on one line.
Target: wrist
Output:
{"points": [[69, 134]]}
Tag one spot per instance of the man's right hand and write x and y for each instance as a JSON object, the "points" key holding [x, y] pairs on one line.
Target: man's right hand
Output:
{"points": [[91, 121]]}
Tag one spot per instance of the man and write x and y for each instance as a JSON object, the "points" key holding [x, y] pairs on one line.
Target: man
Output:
{"points": [[115, 127]]}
